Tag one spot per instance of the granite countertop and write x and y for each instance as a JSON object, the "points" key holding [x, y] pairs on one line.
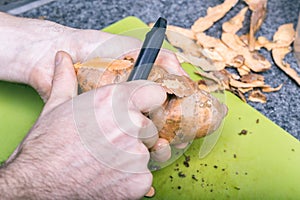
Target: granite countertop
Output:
{"points": [[282, 107]]}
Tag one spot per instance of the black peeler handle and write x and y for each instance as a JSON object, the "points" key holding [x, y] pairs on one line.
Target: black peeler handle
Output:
{"points": [[149, 51]]}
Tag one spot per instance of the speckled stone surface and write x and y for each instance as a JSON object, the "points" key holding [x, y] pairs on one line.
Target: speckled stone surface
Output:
{"points": [[282, 107]]}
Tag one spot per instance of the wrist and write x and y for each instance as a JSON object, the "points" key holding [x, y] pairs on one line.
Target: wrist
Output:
{"points": [[24, 43]]}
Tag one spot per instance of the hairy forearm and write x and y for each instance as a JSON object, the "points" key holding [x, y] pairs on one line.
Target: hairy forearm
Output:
{"points": [[28, 48], [20, 39], [19, 181], [24, 179], [12, 186]]}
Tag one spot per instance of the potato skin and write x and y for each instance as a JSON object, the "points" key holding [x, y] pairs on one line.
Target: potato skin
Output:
{"points": [[101, 71], [184, 119], [188, 113]]}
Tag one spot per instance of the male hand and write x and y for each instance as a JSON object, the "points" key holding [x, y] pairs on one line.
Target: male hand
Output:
{"points": [[90, 146]]}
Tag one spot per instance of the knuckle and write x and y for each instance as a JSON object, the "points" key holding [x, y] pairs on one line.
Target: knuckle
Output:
{"points": [[139, 185]]}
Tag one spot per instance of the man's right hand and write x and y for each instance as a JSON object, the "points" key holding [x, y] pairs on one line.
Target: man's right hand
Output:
{"points": [[62, 159]]}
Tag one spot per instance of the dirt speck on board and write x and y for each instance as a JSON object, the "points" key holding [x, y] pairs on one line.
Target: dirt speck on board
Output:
{"points": [[181, 175], [186, 160], [243, 132], [194, 177], [237, 188]]}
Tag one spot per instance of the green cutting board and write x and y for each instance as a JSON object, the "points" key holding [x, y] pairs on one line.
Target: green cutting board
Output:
{"points": [[263, 164], [19, 108]]}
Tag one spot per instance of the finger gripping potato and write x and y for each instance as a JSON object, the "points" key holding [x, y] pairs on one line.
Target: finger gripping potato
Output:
{"points": [[188, 112]]}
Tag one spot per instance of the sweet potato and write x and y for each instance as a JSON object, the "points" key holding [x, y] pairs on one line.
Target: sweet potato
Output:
{"points": [[188, 112]]}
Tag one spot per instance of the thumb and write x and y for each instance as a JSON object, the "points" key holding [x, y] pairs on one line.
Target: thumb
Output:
{"points": [[64, 83]]}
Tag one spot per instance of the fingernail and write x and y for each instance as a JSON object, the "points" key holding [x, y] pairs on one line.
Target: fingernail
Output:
{"points": [[181, 145], [58, 58]]}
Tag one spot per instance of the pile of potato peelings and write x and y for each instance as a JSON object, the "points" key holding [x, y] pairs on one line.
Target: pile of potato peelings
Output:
{"points": [[214, 55]]}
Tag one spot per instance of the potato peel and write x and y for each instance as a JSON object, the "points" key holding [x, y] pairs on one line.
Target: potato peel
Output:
{"points": [[238, 93], [213, 14], [239, 84], [209, 75], [243, 70], [235, 23], [278, 56], [210, 82], [256, 64], [250, 78], [214, 48], [183, 31], [187, 45], [284, 36], [258, 8], [257, 96], [88, 73], [181, 86], [263, 42], [271, 89], [245, 90], [203, 63], [238, 51]]}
